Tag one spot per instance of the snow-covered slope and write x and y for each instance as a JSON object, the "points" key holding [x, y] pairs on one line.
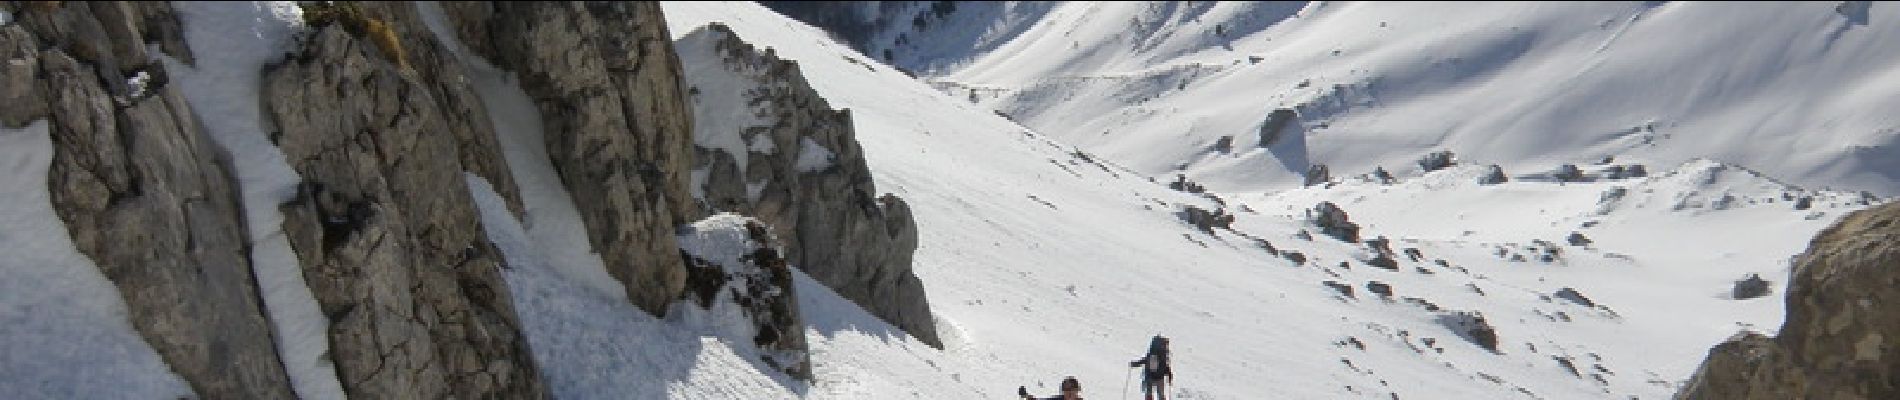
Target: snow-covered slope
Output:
{"points": [[1045, 257], [1043, 260], [1795, 89]]}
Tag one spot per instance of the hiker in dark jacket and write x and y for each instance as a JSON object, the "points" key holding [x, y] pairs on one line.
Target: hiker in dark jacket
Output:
{"points": [[1071, 390], [1154, 367]]}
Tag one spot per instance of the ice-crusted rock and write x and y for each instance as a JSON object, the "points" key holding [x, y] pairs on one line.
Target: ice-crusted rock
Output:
{"points": [[385, 229], [781, 153], [1841, 338], [741, 289], [143, 192]]}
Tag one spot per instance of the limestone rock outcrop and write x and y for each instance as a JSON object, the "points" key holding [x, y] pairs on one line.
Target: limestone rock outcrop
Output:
{"points": [[383, 225], [1841, 339], [144, 193], [618, 131], [793, 162]]}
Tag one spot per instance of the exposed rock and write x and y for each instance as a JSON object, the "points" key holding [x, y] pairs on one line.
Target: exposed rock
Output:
{"points": [[1343, 289], [1841, 339], [1318, 174], [447, 81], [795, 164], [1382, 177], [1569, 173], [1276, 125], [1294, 256], [1413, 254], [607, 83], [19, 81], [1574, 296], [1380, 245], [1205, 220], [1224, 145], [144, 194], [385, 228], [1380, 288], [1493, 175], [1182, 183], [1427, 304], [1804, 203], [735, 269], [1333, 221], [1625, 171], [1577, 239], [1436, 160], [1751, 287], [1384, 262], [1264, 244], [1544, 250], [1471, 326]]}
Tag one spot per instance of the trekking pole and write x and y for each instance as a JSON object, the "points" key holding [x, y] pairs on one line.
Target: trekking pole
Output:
{"points": [[1126, 375]]}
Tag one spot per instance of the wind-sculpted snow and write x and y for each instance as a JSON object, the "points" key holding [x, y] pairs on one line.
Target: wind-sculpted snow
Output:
{"points": [[1788, 88]]}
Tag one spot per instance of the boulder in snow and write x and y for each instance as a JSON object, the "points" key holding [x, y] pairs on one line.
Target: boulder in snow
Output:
{"points": [[1436, 160], [1333, 221], [1493, 175], [1751, 287]]}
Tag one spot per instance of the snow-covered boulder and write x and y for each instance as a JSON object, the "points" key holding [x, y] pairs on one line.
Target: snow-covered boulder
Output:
{"points": [[739, 287]]}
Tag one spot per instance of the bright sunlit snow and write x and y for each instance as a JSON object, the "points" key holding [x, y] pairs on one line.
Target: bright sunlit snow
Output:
{"points": [[1789, 88], [1043, 259], [231, 43], [1035, 148], [63, 325]]}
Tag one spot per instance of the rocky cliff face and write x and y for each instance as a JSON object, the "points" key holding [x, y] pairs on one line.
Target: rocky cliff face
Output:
{"points": [[142, 190], [379, 121], [606, 81], [1841, 339], [386, 232], [782, 154]]}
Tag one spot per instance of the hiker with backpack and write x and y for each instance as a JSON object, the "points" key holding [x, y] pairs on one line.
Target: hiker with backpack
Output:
{"points": [[1154, 366]]}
